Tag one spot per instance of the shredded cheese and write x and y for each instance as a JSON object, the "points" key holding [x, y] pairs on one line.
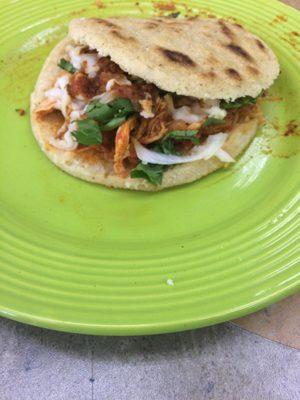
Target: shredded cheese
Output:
{"points": [[185, 114]]}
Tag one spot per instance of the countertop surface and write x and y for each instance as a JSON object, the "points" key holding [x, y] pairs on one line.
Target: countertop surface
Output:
{"points": [[217, 363]]}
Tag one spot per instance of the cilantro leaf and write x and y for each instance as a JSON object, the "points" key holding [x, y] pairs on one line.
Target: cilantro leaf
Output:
{"points": [[168, 147], [88, 132], [113, 123], [99, 111], [240, 102], [66, 65], [122, 107], [213, 121], [182, 135], [167, 144], [153, 173], [174, 14], [110, 115]]}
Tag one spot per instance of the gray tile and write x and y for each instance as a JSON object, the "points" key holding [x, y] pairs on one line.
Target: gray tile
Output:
{"points": [[221, 362], [37, 364]]}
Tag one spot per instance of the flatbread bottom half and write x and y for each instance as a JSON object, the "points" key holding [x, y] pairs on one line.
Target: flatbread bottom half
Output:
{"points": [[88, 165]]}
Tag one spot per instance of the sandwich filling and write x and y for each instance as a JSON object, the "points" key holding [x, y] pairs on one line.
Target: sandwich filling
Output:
{"points": [[133, 125]]}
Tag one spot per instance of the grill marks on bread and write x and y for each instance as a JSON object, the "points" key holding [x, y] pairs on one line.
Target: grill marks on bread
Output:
{"points": [[177, 57], [234, 74], [239, 51], [226, 30], [175, 54]]}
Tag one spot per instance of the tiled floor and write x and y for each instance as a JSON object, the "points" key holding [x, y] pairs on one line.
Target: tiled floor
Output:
{"points": [[220, 362]]}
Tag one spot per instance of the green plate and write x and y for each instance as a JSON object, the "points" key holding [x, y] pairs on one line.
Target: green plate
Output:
{"points": [[79, 257]]}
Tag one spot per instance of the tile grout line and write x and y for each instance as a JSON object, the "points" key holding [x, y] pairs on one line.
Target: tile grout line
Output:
{"points": [[92, 373], [263, 337]]}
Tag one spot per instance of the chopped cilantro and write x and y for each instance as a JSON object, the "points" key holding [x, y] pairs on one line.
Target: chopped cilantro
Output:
{"points": [[213, 121], [183, 135], [99, 111], [240, 102], [113, 123], [88, 132], [122, 107], [174, 14], [167, 144], [110, 115], [153, 173], [66, 65]]}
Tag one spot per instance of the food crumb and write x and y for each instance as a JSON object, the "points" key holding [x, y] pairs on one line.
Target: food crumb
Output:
{"points": [[278, 19], [174, 14], [291, 128], [164, 6], [99, 4], [274, 98], [170, 282], [20, 111]]}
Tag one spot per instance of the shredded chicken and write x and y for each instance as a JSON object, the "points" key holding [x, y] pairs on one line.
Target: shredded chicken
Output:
{"points": [[45, 107], [105, 77], [81, 86], [106, 64], [228, 123], [132, 156], [141, 128], [157, 126], [122, 144]]}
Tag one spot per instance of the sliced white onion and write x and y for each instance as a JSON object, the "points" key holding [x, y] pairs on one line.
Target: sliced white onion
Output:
{"points": [[224, 156], [185, 114], [67, 143], [213, 144], [211, 148], [119, 81]]}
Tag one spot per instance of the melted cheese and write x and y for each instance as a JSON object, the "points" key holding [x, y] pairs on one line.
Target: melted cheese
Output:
{"points": [[185, 114], [60, 95], [88, 63]]}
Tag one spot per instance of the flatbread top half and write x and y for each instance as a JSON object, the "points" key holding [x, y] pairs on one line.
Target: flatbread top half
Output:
{"points": [[203, 58]]}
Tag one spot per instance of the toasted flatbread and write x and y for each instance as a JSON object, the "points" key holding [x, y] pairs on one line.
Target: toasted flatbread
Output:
{"points": [[204, 58]]}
